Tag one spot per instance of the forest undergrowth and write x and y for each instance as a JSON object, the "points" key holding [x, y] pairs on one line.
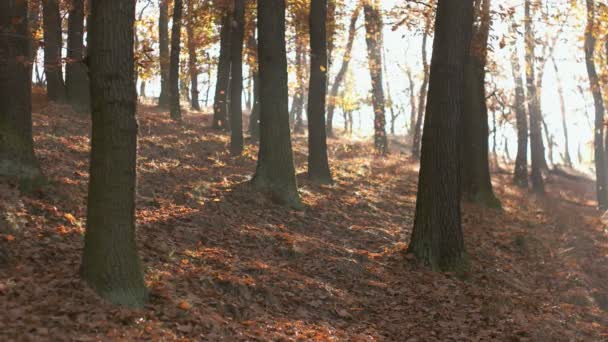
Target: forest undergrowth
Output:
{"points": [[224, 263]]}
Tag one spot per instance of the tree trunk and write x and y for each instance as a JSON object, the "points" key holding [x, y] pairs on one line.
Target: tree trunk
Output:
{"points": [[594, 83], [220, 104], [536, 138], [373, 38], [110, 263], [176, 35], [254, 118], [17, 159], [437, 236], [335, 87], [476, 179], [298, 100], [236, 81], [562, 105], [520, 177], [318, 164], [412, 127], [52, 51], [275, 172], [163, 46], [423, 91], [192, 59], [76, 73]]}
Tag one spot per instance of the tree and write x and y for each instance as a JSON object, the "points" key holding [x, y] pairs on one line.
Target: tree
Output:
{"points": [[562, 106], [192, 58], [437, 236], [176, 36], [220, 104], [297, 104], [275, 171], [163, 46], [17, 159], [596, 90], [318, 164], [110, 263], [236, 81], [476, 179], [373, 38], [423, 90], [335, 88], [520, 177], [52, 51], [536, 138], [254, 119], [76, 73]]}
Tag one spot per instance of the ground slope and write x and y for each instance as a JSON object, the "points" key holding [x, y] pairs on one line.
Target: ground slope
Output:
{"points": [[224, 263]]}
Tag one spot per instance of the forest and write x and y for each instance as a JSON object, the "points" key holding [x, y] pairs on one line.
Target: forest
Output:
{"points": [[303, 170]]}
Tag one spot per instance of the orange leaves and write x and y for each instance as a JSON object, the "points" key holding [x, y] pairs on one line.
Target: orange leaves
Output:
{"points": [[184, 305], [9, 237]]}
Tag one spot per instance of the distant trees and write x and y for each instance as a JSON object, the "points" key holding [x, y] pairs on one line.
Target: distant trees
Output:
{"points": [[373, 38], [17, 159], [164, 58], [76, 73], [318, 164], [220, 103], [52, 51], [520, 177], [176, 37], [598, 101], [110, 263], [236, 80], [437, 235], [192, 58], [275, 172]]}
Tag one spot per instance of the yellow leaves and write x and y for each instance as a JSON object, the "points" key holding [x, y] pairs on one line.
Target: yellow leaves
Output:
{"points": [[70, 218], [323, 68]]}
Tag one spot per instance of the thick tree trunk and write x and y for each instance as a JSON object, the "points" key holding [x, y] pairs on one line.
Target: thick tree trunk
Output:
{"points": [[437, 236], [520, 177], [52, 51], [236, 81], [318, 164], [594, 83], [76, 72], [220, 104], [373, 38], [176, 34], [275, 171], [164, 57], [335, 87], [536, 138], [110, 263], [423, 91], [17, 159], [476, 179], [192, 59]]}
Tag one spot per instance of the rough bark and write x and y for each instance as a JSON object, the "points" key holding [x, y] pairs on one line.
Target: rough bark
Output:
{"points": [[318, 163], [275, 173], [373, 38], [423, 91], [220, 103], [236, 80], [52, 51], [192, 59], [164, 58], [76, 72], [476, 179], [596, 91], [110, 263], [437, 238], [536, 138], [17, 159], [176, 35], [335, 87], [520, 177]]}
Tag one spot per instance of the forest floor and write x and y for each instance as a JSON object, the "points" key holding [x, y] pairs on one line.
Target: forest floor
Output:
{"points": [[224, 263]]}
